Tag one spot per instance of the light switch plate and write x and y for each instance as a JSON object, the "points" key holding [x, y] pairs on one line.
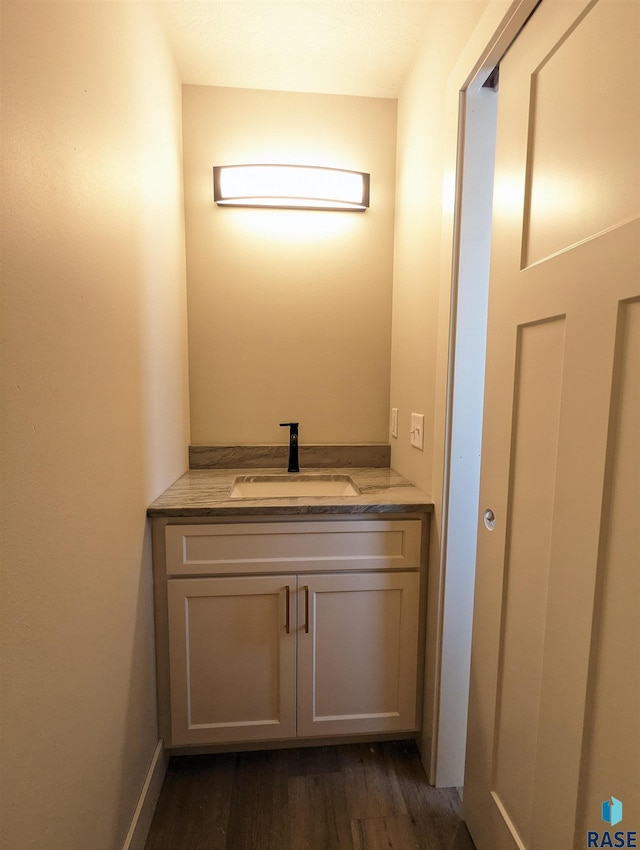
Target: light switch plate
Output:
{"points": [[417, 430], [394, 422]]}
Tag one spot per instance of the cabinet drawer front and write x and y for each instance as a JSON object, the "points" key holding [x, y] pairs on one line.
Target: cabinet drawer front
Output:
{"points": [[296, 547]]}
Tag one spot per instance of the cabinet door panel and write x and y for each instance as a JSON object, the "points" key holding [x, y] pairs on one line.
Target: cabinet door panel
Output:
{"points": [[232, 661], [357, 664]]}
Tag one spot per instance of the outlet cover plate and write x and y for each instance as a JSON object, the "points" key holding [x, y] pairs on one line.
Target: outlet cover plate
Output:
{"points": [[417, 431], [394, 422]]}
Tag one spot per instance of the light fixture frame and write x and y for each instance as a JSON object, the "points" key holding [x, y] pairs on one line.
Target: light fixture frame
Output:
{"points": [[296, 202]]}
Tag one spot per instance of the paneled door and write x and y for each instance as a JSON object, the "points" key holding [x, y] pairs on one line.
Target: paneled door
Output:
{"points": [[357, 653], [232, 648], [555, 678]]}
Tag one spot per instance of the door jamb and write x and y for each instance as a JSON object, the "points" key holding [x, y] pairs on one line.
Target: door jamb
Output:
{"points": [[464, 82]]}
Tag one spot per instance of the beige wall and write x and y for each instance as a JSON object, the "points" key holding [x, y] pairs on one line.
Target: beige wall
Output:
{"points": [[422, 136], [427, 128], [94, 408], [289, 311]]}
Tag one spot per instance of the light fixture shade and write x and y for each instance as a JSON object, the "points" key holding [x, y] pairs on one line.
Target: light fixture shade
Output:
{"points": [[291, 187]]}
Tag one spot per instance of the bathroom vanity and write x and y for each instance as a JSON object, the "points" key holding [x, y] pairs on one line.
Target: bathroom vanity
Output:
{"points": [[289, 618]]}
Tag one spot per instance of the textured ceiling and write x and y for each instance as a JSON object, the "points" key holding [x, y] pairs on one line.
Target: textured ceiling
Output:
{"points": [[362, 47]]}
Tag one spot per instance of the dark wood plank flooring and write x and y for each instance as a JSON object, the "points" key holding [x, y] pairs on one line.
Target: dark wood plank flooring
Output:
{"points": [[351, 797]]}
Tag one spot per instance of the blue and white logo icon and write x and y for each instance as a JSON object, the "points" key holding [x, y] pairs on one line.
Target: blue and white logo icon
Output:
{"points": [[612, 811]]}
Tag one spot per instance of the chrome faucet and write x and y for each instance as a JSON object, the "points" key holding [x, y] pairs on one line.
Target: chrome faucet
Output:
{"points": [[293, 445]]}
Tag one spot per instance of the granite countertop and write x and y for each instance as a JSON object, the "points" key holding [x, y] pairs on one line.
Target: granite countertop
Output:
{"points": [[205, 492]]}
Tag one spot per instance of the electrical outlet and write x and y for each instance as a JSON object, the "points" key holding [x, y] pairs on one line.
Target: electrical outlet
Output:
{"points": [[394, 422], [417, 430]]}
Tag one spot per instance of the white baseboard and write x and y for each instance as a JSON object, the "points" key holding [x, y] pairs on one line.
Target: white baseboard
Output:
{"points": [[143, 815]]}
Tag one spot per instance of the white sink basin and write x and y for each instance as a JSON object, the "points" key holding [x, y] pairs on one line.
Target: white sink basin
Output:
{"points": [[279, 486]]}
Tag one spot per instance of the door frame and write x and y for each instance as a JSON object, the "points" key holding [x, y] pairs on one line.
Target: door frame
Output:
{"points": [[495, 32]]}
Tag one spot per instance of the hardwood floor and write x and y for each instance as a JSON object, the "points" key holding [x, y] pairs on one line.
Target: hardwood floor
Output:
{"points": [[351, 797]]}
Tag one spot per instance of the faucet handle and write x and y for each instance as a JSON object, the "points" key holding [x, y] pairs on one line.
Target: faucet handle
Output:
{"points": [[292, 425]]}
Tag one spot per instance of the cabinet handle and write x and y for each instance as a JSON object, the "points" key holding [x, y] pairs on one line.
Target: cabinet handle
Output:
{"points": [[306, 609], [287, 622]]}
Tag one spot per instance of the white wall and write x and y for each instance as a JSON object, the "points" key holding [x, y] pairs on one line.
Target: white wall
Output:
{"points": [[447, 645], [422, 140], [289, 311], [427, 127], [94, 407]]}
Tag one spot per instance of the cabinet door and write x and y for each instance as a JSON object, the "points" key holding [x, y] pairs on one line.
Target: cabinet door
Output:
{"points": [[232, 659], [357, 653]]}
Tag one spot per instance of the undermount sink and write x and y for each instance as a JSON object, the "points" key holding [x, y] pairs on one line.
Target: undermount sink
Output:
{"points": [[282, 486]]}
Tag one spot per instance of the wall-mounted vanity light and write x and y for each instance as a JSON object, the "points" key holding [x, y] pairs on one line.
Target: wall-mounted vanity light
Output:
{"points": [[291, 187]]}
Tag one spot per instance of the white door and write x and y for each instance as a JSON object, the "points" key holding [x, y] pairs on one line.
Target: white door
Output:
{"points": [[555, 681], [232, 659], [357, 653]]}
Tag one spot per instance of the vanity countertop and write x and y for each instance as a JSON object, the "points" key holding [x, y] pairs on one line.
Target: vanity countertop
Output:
{"points": [[205, 492]]}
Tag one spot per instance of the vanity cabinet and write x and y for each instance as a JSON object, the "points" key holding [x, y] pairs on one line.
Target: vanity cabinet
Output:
{"points": [[278, 630]]}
